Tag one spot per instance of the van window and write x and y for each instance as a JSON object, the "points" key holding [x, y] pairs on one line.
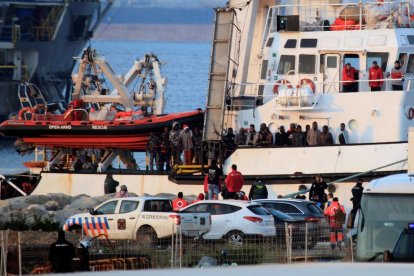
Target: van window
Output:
{"points": [[286, 64]]}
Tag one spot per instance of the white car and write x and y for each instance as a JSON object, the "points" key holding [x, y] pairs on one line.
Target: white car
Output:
{"points": [[144, 218], [234, 220]]}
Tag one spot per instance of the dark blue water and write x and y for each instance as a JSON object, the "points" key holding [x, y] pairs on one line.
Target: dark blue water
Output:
{"points": [[186, 68]]}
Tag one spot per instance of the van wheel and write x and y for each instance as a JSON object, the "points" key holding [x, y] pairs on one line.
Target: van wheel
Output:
{"points": [[146, 237], [236, 238]]}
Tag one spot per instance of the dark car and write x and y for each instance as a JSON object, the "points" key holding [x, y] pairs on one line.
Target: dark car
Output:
{"points": [[296, 228], [404, 248], [304, 210]]}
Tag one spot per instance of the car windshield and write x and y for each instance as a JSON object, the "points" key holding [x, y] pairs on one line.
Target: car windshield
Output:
{"points": [[258, 210]]}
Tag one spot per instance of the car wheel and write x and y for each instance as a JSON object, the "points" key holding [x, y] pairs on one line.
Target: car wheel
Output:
{"points": [[236, 238], [146, 237]]}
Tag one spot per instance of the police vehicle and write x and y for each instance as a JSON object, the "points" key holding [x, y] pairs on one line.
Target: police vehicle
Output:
{"points": [[143, 218]]}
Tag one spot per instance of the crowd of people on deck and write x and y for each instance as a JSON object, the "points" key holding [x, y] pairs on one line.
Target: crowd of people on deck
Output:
{"points": [[293, 137]]}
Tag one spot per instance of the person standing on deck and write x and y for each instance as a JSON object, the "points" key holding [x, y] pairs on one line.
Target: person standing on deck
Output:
{"points": [[165, 150], [174, 137], [343, 136], [251, 136], [186, 140], [198, 143], [397, 77], [240, 138], [153, 152], [325, 138], [375, 77], [348, 78], [313, 135]]}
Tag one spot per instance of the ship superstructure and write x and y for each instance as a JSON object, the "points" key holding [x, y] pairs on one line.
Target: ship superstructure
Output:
{"points": [[38, 40], [285, 67], [280, 63]]}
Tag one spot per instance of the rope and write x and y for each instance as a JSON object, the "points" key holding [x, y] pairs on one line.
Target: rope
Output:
{"points": [[346, 178]]}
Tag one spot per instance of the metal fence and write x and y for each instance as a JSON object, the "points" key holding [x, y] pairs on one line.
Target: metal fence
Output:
{"points": [[27, 252]]}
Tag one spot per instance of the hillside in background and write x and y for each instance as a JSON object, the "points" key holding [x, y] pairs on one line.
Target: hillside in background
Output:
{"points": [[157, 24]]}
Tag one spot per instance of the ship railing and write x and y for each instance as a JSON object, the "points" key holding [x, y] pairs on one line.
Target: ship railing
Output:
{"points": [[46, 31], [43, 33], [10, 33], [342, 16], [7, 72], [254, 96]]}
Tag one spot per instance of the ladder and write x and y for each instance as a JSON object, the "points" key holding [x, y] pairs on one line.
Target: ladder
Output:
{"points": [[30, 96], [219, 67]]}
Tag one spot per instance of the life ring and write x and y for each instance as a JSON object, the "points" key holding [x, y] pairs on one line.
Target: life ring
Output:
{"points": [[281, 82], [411, 113], [308, 82], [24, 110]]}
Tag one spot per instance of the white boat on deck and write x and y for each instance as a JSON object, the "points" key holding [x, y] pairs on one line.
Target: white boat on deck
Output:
{"points": [[280, 65]]}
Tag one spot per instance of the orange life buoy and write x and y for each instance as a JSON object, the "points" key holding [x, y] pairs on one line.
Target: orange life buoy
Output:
{"points": [[308, 82], [281, 82], [411, 113], [24, 110]]}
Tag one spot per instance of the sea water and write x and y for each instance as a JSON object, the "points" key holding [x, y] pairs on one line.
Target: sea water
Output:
{"points": [[186, 66]]}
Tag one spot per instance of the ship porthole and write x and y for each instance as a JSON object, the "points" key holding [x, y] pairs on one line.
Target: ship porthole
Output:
{"points": [[353, 124]]}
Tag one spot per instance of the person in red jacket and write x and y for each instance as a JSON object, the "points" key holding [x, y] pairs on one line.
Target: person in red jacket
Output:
{"points": [[234, 183], [375, 77], [336, 219], [179, 202], [348, 77], [199, 198]]}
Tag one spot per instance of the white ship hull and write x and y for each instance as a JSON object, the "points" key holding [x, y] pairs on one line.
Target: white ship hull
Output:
{"points": [[331, 160]]}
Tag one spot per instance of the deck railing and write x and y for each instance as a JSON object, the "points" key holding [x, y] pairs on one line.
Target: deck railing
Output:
{"points": [[346, 16], [251, 90]]}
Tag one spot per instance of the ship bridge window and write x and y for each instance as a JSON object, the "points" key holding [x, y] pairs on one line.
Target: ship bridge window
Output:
{"points": [[410, 64], [307, 64], [270, 41], [381, 58], [291, 43], [410, 39], [286, 64], [308, 43]]}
